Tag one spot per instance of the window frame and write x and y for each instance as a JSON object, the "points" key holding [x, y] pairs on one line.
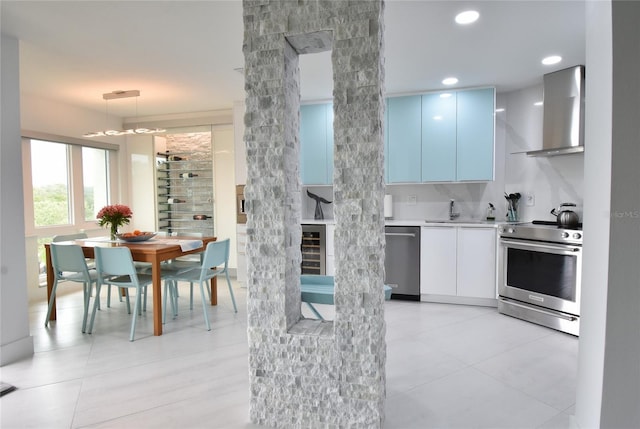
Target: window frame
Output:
{"points": [[75, 180]]}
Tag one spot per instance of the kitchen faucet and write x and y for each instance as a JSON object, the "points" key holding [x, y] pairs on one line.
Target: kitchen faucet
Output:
{"points": [[452, 214]]}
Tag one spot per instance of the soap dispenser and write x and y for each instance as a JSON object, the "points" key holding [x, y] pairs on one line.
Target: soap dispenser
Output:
{"points": [[490, 210]]}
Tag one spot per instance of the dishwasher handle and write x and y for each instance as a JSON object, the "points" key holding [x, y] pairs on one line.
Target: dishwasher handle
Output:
{"points": [[400, 234]]}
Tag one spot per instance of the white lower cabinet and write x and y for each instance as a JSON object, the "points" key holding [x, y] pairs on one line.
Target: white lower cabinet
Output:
{"points": [[458, 265], [438, 260]]}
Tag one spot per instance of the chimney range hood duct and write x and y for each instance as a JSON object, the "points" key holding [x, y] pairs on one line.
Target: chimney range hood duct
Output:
{"points": [[563, 118]]}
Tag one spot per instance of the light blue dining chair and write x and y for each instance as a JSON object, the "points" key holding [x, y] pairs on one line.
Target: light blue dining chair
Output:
{"points": [[216, 255], [174, 266], [71, 237], [69, 264], [115, 267], [68, 237]]}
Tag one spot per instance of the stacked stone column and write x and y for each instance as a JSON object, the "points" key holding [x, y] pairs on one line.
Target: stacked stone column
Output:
{"points": [[308, 373]]}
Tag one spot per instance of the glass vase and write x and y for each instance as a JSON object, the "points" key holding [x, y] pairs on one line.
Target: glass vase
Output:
{"points": [[114, 231]]}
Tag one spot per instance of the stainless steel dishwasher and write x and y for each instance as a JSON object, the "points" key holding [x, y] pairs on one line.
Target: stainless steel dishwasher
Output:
{"points": [[402, 262]]}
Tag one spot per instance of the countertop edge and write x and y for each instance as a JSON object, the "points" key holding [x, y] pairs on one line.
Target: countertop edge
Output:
{"points": [[422, 222]]}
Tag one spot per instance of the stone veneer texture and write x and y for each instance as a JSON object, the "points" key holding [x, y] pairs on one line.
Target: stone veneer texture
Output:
{"points": [[309, 373]]}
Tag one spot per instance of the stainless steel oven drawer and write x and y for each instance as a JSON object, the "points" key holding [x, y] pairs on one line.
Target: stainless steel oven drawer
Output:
{"points": [[542, 316]]}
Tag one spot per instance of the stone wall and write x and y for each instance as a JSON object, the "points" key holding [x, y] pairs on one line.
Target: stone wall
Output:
{"points": [[309, 373]]}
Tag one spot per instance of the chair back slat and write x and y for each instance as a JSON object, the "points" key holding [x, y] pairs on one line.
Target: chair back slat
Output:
{"points": [[67, 257], [216, 254], [114, 261], [68, 237]]}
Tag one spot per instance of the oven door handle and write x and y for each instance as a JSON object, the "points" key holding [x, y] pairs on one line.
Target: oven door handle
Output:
{"points": [[525, 245]]}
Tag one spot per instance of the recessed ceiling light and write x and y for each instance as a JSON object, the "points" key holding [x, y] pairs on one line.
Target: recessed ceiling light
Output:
{"points": [[553, 59], [538, 103], [445, 95], [450, 81], [467, 17], [437, 118]]}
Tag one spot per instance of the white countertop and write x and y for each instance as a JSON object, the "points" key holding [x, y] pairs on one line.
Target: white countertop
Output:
{"points": [[468, 223]]}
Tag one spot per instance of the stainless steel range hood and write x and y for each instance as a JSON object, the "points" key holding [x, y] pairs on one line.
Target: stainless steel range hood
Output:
{"points": [[563, 118]]}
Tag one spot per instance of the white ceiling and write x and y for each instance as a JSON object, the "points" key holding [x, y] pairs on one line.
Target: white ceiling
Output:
{"points": [[181, 55]]}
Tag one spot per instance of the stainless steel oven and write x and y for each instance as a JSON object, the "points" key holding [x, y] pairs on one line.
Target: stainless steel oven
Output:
{"points": [[540, 275]]}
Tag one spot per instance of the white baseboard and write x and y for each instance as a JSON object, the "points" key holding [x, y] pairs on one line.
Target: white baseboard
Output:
{"points": [[16, 350]]}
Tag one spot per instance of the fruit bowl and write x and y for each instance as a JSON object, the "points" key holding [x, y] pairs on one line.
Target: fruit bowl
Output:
{"points": [[132, 237]]}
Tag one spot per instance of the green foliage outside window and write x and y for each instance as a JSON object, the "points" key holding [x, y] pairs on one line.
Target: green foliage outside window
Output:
{"points": [[51, 205]]}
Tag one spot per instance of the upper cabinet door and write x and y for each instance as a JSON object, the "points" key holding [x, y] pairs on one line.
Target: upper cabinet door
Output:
{"points": [[314, 147], [329, 147], [405, 139], [475, 148], [386, 140], [439, 137]]}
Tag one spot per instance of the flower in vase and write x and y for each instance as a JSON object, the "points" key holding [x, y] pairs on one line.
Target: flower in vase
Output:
{"points": [[114, 216]]}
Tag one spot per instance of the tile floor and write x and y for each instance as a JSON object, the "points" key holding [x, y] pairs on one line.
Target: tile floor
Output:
{"points": [[448, 366]]}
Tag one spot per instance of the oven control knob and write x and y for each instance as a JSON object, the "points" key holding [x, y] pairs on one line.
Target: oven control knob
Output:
{"points": [[577, 235], [565, 234]]}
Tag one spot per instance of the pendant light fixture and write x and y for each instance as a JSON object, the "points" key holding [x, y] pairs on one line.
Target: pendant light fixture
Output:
{"points": [[131, 131]]}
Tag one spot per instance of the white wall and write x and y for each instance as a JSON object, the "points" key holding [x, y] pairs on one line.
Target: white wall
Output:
{"points": [[142, 189], [240, 149], [225, 188], [609, 361], [15, 340], [551, 180]]}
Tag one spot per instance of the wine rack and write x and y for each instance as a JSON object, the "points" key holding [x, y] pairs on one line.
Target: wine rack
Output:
{"points": [[313, 249], [185, 193]]}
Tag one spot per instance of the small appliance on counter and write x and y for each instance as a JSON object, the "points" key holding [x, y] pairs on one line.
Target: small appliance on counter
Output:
{"points": [[491, 212], [565, 217]]}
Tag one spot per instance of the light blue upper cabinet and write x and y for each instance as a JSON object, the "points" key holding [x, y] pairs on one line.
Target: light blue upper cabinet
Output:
{"points": [[386, 140], [329, 128], [316, 144], [475, 134], [439, 137], [404, 139]]}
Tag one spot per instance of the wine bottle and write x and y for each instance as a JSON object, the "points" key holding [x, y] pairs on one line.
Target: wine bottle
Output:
{"points": [[175, 158], [186, 175], [175, 200]]}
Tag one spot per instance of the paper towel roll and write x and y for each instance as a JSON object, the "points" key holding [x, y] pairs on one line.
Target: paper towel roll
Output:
{"points": [[388, 206]]}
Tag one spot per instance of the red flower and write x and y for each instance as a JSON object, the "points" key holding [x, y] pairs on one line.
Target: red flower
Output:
{"points": [[116, 214]]}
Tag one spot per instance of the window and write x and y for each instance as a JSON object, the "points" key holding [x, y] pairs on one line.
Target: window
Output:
{"points": [[66, 190], [50, 183], [65, 185], [95, 177]]}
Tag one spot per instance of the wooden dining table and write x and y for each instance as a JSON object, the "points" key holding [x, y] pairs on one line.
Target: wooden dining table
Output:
{"points": [[154, 251]]}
